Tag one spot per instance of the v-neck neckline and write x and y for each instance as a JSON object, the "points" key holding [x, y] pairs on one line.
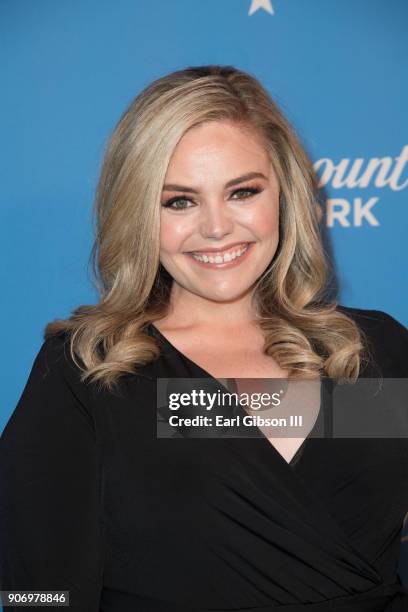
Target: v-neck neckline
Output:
{"points": [[297, 456]]}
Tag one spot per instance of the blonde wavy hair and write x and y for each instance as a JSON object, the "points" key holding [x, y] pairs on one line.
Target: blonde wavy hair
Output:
{"points": [[304, 333]]}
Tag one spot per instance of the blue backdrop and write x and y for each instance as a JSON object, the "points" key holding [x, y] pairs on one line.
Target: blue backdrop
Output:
{"points": [[337, 68]]}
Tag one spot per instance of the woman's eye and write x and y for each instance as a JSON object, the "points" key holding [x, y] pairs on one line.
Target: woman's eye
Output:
{"points": [[171, 203], [248, 190]]}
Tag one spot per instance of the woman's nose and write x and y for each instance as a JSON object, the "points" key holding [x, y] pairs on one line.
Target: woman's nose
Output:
{"points": [[216, 221]]}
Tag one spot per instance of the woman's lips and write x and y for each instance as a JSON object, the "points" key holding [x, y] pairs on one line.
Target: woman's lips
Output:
{"points": [[225, 264]]}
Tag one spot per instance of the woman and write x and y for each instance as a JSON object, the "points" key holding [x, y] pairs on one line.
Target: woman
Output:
{"points": [[209, 265]]}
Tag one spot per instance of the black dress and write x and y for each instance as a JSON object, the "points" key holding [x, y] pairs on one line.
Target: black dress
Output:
{"points": [[94, 503]]}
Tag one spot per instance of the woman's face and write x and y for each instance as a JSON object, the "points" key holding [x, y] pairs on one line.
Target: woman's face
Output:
{"points": [[220, 197]]}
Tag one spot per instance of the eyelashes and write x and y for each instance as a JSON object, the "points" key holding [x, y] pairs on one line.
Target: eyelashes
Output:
{"points": [[172, 201]]}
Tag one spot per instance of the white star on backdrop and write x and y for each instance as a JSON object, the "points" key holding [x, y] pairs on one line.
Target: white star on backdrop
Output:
{"points": [[258, 4]]}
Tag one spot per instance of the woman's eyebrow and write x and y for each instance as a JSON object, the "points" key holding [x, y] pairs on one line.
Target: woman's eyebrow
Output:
{"points": [[235, 181]]}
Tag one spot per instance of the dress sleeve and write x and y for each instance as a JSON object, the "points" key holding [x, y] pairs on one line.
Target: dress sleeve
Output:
{"points": [[50, 481], [392, 346], [387, 343]]}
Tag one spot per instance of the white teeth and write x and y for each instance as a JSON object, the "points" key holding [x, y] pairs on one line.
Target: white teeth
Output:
{"points": [[230, 256]]}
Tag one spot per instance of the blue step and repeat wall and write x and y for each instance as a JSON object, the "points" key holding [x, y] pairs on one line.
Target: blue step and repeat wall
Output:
{"points": [[337, 68]]}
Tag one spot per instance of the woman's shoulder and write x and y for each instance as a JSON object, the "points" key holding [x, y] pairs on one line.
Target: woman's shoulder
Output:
{"points": [[55, 374], [387, 340], [53, 402], [57, 362], [54, 356]]}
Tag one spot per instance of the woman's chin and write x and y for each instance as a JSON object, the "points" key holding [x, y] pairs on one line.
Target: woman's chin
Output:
{"points": [[223, 294]]}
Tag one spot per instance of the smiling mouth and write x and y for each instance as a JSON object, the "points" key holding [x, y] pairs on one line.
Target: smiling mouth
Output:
{"points": [[222, 259]]}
